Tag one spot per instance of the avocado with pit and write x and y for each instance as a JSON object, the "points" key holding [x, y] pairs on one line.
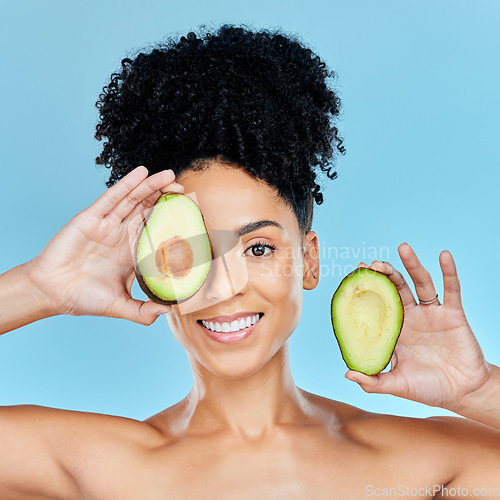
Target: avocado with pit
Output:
{"points": [[173, 252], [367, 318]]}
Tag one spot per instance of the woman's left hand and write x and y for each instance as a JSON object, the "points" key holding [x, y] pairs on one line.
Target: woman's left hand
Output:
{"points": [[437, 359]]}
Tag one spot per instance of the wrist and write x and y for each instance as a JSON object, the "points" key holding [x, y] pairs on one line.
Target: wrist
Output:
{"points": [[483, 404], [33, 283], [21, 302]]}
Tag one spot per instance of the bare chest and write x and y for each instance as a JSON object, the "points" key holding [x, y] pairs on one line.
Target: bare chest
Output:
{"points": [[202, 472]]}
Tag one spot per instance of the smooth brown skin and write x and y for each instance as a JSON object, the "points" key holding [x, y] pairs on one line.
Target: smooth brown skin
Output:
{"points": [[245, 430]]}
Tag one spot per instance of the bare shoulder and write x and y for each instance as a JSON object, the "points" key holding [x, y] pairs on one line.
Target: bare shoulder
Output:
{"points": [[79, 451], [451, 450], [166, 422], [389, 428], [49, 452], [72, 434], [55, 421]]}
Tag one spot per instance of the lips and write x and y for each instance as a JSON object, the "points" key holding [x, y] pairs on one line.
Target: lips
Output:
{"points": [[231, 337]]}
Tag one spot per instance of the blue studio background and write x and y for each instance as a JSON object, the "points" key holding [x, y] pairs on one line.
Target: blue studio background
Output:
{"points": [[421, 107]]}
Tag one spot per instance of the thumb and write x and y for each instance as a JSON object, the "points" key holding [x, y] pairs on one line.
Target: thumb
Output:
{"points": [[138, 311], [382, 383]]}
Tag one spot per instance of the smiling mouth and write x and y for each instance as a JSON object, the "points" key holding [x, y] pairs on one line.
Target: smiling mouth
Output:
{"points": [[232, 327], [237, 330]]}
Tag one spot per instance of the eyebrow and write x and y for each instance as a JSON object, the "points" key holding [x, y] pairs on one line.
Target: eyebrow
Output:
{"points": [[253, 226]]}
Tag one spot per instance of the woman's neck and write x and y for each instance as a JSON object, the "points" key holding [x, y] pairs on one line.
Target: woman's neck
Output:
{"points": [[250, 407]]}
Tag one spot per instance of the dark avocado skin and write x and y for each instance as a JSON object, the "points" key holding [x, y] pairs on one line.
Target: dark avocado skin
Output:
{"points": [[333, 327], [138, 275]]}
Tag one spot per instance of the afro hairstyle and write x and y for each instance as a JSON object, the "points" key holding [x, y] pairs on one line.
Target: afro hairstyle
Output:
{"points": [[259, 100]]}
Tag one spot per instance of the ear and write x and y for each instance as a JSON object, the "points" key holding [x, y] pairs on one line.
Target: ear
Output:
{"points": [[311, 261]]}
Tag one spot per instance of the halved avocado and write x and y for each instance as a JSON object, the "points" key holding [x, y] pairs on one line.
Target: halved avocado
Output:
{"points": [[367, 318], [173, 253]]}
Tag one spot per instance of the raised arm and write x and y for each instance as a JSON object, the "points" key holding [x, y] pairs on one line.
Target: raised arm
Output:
{"points": [[87, 267]]}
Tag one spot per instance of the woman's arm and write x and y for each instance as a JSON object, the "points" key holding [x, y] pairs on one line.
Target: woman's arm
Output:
{"points": [[437, 360], [87, 267], [21, 302]]}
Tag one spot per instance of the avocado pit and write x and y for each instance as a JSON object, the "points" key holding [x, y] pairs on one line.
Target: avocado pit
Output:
{"points": [[174, 257]]}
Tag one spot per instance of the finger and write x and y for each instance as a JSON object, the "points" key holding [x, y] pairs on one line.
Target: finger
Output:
{"points": [[175, 186], [394, 359], [424, 287], [138, 311], [398, 279], [156, 182], [362, 264], [129, 282], [110, 198], [382, 383], [451, 285]]}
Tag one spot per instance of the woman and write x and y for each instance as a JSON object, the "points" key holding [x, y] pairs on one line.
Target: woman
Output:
{"points": [[241, 120]]}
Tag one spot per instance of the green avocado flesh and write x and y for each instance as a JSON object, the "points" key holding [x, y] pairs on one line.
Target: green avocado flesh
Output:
{"points": [[367, 317], [173, 253]]}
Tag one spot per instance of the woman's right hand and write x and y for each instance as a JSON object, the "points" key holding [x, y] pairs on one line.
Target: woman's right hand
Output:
{"points": [[87, 267]]}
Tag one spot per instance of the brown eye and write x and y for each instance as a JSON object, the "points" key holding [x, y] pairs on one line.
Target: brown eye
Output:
{"points": [[259, 250]]}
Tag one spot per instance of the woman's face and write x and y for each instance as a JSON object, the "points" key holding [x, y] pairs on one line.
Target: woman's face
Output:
{"points": [[248, 276]]}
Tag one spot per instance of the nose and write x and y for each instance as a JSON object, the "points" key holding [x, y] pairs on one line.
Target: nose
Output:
{"points": [[219, 284]]}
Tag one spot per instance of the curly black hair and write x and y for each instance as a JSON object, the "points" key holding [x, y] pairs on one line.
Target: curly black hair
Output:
{"points": [[260, 100]]}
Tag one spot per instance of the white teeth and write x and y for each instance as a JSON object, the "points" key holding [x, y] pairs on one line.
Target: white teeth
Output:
{"points": [[234, 326]]}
